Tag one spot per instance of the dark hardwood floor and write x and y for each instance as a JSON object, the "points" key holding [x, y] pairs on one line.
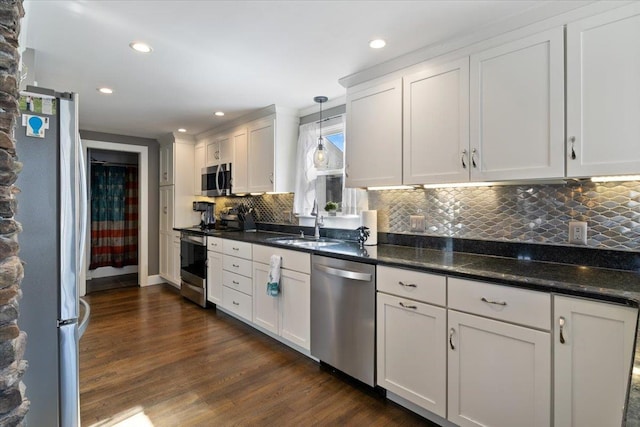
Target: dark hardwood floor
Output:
{"points": [[151, 356]]}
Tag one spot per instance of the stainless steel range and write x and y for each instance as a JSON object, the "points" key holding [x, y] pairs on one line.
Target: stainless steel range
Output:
{"points": [[193, 267]]}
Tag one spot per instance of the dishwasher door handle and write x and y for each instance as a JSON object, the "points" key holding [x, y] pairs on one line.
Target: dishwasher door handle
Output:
{"points": [[347, 274]]}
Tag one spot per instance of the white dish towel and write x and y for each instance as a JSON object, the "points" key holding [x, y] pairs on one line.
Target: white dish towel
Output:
{"points": [[273, 283]]}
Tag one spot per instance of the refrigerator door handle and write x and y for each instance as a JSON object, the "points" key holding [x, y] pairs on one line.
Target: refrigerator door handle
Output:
{"points": [[83, 202]]}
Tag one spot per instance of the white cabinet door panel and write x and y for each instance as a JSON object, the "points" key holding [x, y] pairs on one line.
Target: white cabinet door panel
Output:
{"points": [[499, 374], [214, 277], [374, 133], [517, 109], [265, 307], [436, 125], [295, 308], [412, 357], [603, 94], [593, 364]]}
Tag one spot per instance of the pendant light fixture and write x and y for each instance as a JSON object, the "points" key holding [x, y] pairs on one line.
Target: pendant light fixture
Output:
{"points": [[321, 155]]}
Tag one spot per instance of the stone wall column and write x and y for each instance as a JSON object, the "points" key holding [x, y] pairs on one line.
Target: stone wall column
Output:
{"points": [[13, 403]]}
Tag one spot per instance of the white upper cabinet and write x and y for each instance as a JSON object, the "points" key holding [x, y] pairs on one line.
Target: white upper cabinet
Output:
{"points": [[166, 163], [239, 172], [374, 136], [517, 109], [436, 124], [603, 94], [271, 151], [261, 144], [199, 155], [219, 150]]}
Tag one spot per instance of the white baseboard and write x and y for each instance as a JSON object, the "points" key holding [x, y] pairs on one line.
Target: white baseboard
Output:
{"points": [[154, 280], [110, 271], [418, 410]]}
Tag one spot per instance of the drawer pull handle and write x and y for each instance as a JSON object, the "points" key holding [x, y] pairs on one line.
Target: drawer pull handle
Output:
{"points": [[236, 303], [235, 283], [236, 249], [413, 307], [561, 322], [451, 332], [483, 299], [407, 285], [235, 265]]}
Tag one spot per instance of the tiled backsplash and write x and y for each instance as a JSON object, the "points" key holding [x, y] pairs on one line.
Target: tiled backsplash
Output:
{"points": [[514, 213]]}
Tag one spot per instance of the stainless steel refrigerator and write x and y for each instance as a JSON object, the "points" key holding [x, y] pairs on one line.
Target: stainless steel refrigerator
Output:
{"points": [[51, 209]]}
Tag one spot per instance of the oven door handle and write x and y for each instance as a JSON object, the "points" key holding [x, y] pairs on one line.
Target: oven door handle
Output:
{"points": [[193, 240]]}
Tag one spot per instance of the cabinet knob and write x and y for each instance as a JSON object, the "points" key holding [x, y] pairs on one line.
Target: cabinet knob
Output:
{"points": [[561, 322]]}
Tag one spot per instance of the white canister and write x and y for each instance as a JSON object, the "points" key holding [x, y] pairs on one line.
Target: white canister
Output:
{"points": [[370, 220]]}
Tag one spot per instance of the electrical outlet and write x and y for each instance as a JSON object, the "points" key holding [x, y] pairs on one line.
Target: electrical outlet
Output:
{"points": [[417, 223], [578, 232], [287, 217]]}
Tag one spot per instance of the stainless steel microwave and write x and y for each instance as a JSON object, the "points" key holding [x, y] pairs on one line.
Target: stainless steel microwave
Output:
{"points": [[216, 180]]}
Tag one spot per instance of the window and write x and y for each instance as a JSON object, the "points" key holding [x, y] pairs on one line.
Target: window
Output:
{"points": [[330, 182], [326, 185]]}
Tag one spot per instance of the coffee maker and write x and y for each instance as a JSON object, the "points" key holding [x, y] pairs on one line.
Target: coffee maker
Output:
{"points": [[207, 214]]}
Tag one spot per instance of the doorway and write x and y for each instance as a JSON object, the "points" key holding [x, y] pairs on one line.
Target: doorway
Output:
{"points": [[113, 251], [107, 150]]}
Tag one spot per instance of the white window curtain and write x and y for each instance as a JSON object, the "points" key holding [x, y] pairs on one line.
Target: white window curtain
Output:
{"points": [[306, 173], [353, 200]]}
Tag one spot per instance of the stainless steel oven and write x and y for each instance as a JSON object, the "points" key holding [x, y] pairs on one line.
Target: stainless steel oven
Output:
{"points": [[193, 267]]}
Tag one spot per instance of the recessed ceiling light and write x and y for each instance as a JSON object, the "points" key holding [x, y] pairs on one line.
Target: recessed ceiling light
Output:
{"points": [[377, 44], [140, 47], [105, 90], [182, 130], [219, 113]]}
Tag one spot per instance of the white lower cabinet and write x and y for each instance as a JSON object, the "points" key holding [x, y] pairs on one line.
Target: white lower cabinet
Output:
{"points": [[412, 358], [236, 302], [499, 373], [174, 272], [237, 284], [169, 255], [287, 314], [593, 354], [214, 270]]}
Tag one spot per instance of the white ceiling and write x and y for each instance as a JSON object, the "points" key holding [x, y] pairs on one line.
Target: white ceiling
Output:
{"points": [[234, 56]]}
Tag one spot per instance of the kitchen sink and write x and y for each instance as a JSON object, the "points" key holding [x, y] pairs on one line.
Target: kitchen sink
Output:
{"points": [[303, 242]]}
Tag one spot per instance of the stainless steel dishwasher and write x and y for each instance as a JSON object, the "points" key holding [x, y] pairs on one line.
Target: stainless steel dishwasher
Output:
{"points": [[343, 311]]}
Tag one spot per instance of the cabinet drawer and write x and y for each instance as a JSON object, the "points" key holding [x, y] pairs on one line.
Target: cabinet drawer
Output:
{"points": [[237, 265], [416, 285], [237, 302], [521, 306], [291, 260], [214, 244], [235, 248], [237, 282]]}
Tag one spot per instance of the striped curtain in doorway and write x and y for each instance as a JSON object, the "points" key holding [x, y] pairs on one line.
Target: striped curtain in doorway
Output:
{"points": [[114, 216]]}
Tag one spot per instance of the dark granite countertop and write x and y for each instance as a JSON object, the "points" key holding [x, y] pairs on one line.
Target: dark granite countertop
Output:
{"points": [[619, 286]]}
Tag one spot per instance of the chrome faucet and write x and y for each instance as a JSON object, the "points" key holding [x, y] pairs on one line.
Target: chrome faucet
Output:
{"points": [[316, 225]]}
